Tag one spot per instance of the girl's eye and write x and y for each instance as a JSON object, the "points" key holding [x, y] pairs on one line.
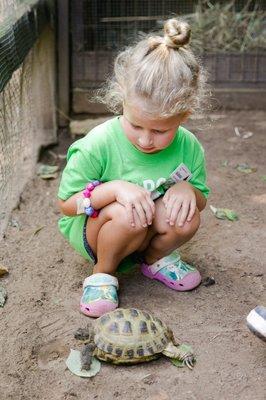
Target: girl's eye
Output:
{"points": [[136, 126], [159, 132]]}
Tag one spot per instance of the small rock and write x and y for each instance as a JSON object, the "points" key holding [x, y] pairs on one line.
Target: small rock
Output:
{"points": [[39, 302], [149, 379], [3, 296], [70, 394], [209, 281]]}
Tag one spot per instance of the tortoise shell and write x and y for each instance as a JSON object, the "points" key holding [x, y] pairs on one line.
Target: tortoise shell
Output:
{"points": [[131, 334]]}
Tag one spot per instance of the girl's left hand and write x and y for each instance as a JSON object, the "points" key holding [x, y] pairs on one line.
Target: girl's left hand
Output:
{"points": [[180, 203]]}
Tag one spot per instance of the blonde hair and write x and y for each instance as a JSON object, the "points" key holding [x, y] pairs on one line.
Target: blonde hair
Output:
{"points": [[162, 71]]}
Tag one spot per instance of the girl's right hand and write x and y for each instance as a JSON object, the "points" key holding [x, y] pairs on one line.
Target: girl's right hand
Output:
{"points": [[137, 202]]}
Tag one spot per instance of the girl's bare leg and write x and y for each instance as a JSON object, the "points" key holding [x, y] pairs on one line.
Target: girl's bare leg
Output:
{"points": [[112, 238], [161, 238]]}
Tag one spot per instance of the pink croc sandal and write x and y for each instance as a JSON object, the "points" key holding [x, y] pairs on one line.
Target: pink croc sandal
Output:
{"points": [[99, 295], [173, 272]]}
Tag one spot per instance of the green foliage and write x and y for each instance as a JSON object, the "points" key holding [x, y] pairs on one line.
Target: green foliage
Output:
{"points": [[220, 28]]}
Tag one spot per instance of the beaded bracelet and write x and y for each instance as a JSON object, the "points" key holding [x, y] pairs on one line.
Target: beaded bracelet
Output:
{"points": [[89, 210]]}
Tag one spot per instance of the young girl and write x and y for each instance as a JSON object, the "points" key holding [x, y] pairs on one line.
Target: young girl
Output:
{"points": [[136, 183]]}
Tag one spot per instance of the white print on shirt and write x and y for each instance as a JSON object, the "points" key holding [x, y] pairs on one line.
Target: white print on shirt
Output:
{"points": [[181, 173], [150, 185]]}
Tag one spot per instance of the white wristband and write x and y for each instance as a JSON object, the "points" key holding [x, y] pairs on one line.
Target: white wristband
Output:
{"points": [[82, 203]]}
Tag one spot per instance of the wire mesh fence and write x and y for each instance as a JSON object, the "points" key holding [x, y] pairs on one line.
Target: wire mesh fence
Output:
{"points": [[27, 117], [100, 28]]}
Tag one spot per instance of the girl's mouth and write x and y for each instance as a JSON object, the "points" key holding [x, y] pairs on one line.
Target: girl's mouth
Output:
{"points": [[146, 149]]}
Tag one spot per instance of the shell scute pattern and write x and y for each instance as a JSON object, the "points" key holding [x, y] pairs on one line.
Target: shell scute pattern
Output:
{"points": [[118, 352], [153, 327], [127, 329], [118, 314], [105, 319], [134, 312], [131, 333], [113, 327], [146, 315], [143, 328], [140, 351]]}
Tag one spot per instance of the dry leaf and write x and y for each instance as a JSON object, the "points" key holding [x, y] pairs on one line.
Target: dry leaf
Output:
{"points": [[73, 363], [3, 270]]}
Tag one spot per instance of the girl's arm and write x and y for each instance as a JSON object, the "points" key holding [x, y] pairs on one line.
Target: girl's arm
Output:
{"points": [[200, 199], [101, 196], [129, 195]]}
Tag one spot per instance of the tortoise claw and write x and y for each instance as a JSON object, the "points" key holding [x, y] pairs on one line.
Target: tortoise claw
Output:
{"points": [[189, 361]]}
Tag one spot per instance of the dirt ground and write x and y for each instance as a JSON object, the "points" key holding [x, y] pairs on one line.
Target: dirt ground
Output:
{"points": [[45, 283]]}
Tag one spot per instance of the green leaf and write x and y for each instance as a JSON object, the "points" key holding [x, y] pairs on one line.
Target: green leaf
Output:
{"points": [[178, 363], [245, 168], [73, 363], [47, 171], [224, 213]]}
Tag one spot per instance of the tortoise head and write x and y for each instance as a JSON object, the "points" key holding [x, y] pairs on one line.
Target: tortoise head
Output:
{"points": [[86, 334]]}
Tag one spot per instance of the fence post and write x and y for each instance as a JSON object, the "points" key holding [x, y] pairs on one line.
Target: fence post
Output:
{"points": [[63, 62]]}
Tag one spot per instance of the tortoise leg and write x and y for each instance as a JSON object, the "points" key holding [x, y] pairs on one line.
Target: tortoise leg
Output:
{"points": [[85, 334], [182, 352], [86, 355]]}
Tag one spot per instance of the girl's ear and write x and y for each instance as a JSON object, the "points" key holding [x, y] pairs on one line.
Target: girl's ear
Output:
{"points": [[186, 115]]}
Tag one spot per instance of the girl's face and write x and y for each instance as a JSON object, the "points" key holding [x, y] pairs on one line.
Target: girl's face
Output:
{"points": [[146, 133]]}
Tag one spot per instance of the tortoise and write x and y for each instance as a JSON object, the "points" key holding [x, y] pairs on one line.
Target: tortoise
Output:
{"points": [[130, 336]]}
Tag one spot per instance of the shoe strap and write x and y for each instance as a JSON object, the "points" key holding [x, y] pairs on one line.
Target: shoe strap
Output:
{"points": [[100, 279], [172, 259]]}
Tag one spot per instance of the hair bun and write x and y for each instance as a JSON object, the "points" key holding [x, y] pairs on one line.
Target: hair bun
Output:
{"points": [[176, 33]]}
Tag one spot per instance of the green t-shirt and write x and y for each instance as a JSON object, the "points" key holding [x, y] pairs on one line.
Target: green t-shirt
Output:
{"points": [[106, 154]]}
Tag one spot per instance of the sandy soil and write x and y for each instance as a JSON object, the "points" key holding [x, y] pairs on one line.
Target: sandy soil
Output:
{"points": [[45, 279]]}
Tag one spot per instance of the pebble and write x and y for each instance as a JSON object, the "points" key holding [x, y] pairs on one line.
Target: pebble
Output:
{"points": [[209, 281]]}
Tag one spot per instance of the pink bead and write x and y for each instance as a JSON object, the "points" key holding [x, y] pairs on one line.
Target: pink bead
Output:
{"points": [[90, 186], [87, 193], [95, 214]]}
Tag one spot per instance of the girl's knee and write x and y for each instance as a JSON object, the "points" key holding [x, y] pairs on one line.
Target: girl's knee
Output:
{"points": [[191, 227], [161, 226], [188, 229]]}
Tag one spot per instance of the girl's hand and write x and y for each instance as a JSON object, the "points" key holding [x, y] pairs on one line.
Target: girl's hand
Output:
{"points": [[180, 203], [137, 201]]}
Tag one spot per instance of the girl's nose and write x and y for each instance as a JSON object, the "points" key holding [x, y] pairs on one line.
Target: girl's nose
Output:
{"points": [[145, 140]]}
